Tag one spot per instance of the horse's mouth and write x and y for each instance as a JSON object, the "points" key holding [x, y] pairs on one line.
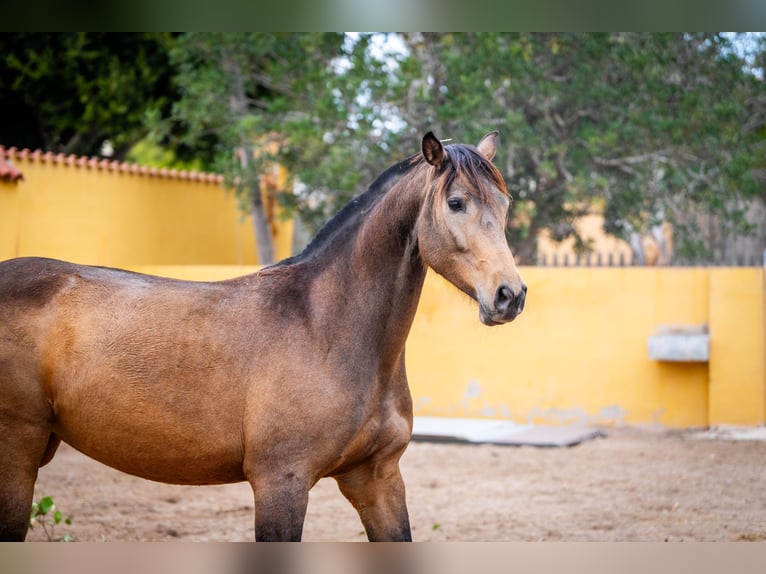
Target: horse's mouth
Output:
{"points": [[492, 318], [506, 304]]}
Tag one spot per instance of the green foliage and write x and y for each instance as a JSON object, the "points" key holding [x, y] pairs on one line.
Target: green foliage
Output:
{"points": [[70, 92], [658, 126], [244, 91], [45, 515], [651, 126], [148, 152]]}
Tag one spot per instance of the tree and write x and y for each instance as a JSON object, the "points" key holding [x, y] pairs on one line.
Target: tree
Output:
{"points": [[653, 127], [341, 129], [657, 126], [70, 92], [238, 88]]}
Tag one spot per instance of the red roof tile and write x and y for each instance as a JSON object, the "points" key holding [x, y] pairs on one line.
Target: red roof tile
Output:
{"points": [[9, 172]]}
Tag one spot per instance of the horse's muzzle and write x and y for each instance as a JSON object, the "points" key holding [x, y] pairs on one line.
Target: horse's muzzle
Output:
{"points": [[508, 304]]}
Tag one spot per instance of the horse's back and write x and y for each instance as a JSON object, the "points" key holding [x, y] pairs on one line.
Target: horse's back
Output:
{"points": [[36, 292], [31, 282]]}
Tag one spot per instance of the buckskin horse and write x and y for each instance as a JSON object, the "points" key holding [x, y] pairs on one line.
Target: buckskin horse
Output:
{"points": [[280, 378]]}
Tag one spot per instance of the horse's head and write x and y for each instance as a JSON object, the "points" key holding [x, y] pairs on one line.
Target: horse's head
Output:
{"points": [[461, 228]]}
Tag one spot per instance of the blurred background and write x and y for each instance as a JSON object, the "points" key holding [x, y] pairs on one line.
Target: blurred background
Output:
{"points": [[648, 147]]}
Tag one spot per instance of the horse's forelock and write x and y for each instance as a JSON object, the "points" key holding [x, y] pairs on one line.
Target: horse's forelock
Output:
{"points": [[467, 164]]}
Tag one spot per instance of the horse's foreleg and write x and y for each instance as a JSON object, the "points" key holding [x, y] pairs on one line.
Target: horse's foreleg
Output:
{"points": [[16, 492], [281, 499], [22, 451], [376, 490]]}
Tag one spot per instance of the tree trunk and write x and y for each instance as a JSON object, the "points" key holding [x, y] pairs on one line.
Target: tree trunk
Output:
{"points": [[238, 106], [263, 240], [525, 250]]}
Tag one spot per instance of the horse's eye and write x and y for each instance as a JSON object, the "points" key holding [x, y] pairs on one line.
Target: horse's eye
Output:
{"points": [[456, 204]]}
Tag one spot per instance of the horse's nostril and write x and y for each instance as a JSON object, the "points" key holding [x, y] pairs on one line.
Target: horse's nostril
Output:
{"points": [[506, 301], [503, 298]]}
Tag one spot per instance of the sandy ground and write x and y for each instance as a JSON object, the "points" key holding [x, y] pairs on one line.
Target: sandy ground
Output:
{"points": [[632, 485]]}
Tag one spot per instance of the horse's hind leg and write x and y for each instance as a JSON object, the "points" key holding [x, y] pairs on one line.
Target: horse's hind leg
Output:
{"points": [[376, 490], [23, 449]]}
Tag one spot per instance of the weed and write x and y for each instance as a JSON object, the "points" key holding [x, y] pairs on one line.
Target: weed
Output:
{"points": [[47, 516]]}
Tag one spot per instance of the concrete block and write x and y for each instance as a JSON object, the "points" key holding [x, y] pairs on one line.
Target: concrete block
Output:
{"points": [[680, 344]]}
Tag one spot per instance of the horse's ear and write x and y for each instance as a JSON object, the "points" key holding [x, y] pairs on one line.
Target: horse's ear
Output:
{"points": [[432, 150], [488, 145]]}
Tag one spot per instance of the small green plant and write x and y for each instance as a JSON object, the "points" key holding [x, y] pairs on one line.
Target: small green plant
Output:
{"points": [[47, 516]]}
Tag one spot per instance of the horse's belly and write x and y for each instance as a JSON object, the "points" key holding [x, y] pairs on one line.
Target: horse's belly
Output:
{"points": [[154, 461], [180, 446]]}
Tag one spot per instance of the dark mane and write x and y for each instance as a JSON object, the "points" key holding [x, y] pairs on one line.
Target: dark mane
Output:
{"points": [[358, 205], [465, 163]]}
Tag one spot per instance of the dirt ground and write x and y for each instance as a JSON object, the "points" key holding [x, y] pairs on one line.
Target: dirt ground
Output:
{"points": [[632, 485]]}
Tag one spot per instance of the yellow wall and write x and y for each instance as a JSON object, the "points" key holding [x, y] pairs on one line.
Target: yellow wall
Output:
{"points": [[579, 352], [737, 343], [9, 219], [106, 217]]}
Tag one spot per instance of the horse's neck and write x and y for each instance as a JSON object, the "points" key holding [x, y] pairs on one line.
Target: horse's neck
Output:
{"points": [[378, 268], [384, 250]]}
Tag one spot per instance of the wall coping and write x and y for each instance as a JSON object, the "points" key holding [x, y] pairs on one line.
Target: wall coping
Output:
{"points": [[100, 164]]}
